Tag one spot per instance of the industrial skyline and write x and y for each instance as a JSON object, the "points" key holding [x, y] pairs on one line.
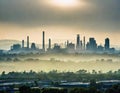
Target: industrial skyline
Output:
{"points": [[81, 46]]}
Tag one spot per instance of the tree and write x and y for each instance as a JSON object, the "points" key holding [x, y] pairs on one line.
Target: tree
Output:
{"points": [[92, 90], [82, 71], [3, 73], [94, 72], [79, 90], [93, 83], [24, 89], [36, 90]]}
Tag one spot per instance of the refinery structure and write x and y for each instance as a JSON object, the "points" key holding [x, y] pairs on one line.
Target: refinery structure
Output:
{"points": [[81, 46]]}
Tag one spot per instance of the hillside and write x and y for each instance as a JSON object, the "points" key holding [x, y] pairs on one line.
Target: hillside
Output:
{"points": [[6, 43]]}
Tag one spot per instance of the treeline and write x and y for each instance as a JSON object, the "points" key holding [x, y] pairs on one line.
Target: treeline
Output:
{"points": [[81, 75]]}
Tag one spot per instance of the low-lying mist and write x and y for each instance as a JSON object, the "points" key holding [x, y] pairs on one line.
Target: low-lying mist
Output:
{"points": [[61, 62]]}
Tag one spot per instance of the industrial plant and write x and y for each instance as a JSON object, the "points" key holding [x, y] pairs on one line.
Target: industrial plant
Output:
{"points": [[81, 46]]}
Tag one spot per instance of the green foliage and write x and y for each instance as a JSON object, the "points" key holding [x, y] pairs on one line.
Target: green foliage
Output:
{"points": [[81, 75], [54, 90], [79, 90], [93, 83], [24, 89], [113, 89]]}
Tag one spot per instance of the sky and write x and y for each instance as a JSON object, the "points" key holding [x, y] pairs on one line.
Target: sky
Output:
{"points": [[61, 20]]}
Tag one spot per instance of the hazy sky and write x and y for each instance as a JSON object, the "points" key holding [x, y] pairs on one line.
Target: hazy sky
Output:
{"points": [[60, 20]]}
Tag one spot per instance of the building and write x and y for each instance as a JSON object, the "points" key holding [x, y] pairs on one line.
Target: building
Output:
{"points": [[100, 48], [33, 46], [56, 48], [70, 47], [91, 45], [78, 43], [107, 44], [84, 44], [16, 47]]}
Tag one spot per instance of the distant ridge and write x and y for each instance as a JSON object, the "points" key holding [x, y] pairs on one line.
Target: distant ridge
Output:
{"points": [[5, 44]]}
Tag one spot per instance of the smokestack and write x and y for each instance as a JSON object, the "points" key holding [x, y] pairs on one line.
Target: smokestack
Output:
{"points": [[81, 44], [84, 42], [28, 42], [67, 43], [49, 43], [22, 43], [43, 46]]}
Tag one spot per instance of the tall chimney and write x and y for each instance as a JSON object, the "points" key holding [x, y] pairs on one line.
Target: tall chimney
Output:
{"points": [[22, 43], [49, 43], [28, 42], [43, 45], [84, 42]]}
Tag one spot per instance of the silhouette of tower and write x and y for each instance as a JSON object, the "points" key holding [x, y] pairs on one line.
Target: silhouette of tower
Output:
{"points": [[22, 43], [81, 45], [84, 42], [78, 39], [49, 44], [107, 44], [67, 43], [28, 42], [78, 42], [43, 45]]}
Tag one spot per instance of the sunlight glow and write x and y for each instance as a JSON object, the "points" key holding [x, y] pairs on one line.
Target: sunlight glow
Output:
{"points": [[64, 3]]}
